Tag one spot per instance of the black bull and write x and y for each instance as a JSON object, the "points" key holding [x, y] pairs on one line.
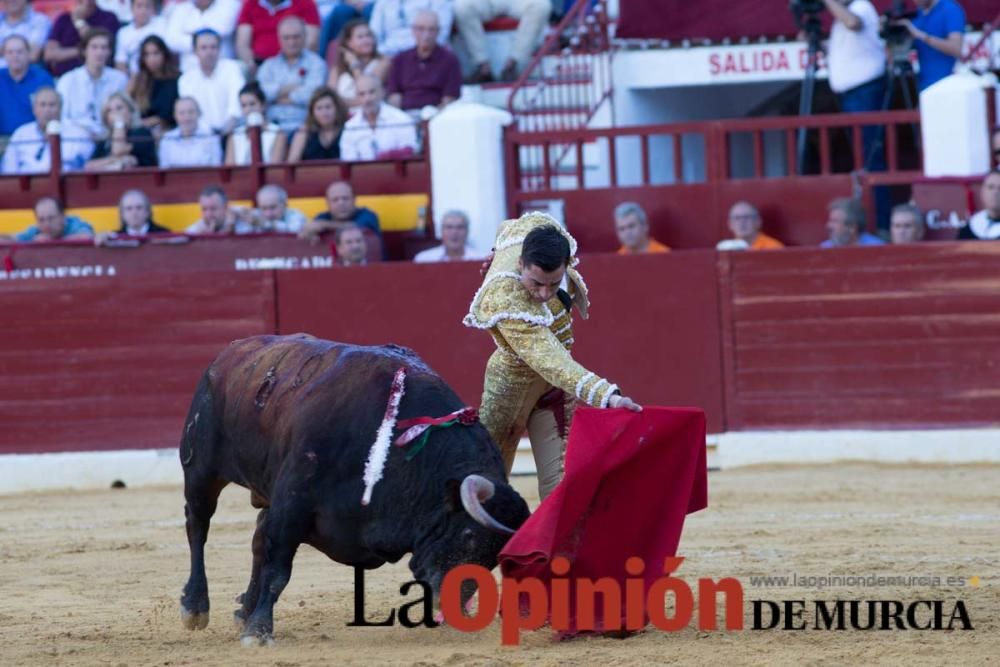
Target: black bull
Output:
{"points": [[293, 419]]}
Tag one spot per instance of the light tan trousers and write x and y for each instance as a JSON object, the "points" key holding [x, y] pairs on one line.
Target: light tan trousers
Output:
{"points": [[532, 16], [510, 394]]}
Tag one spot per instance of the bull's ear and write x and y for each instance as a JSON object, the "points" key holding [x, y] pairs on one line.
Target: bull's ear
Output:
{"points": [[453, 495]]}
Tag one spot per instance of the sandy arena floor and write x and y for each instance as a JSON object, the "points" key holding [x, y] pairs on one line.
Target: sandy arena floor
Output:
{"points": [[94, 578]]}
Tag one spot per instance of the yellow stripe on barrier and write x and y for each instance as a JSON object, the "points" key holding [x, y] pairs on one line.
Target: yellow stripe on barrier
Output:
{"points": [[397, 213]]}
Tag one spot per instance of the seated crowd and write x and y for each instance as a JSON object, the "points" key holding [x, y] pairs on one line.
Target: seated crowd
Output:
{"points": [[149, 85]]}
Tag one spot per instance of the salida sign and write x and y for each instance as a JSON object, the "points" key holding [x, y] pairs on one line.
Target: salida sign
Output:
{"points": [[528, 604], [761, 61]]}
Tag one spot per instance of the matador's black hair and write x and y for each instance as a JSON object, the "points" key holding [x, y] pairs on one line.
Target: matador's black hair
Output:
{"points": [[546, 248]]}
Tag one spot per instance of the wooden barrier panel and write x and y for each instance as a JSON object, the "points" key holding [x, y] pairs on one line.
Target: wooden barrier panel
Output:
{"points": [[653, 328], [893, 337], [112, 362]]}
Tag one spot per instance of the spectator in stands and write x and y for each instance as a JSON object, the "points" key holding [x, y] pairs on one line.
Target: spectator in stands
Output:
{"points": [[18, 81], [391, 22], [470, 16], [122, 9], [937, 32], [154, 87], [290, 78], [846, 225], [126, 142], [907, 224], [63, 49], [357, 56], [271, 215], [995, 146], [28, 150], [985, 225], [319, 139], [192, 16], [20, 19], [744, 222], [632, 227], [192, 143], [128, 43], [257, 28], [85, 89], [377, 130], [135, 214], [426, 75], [351, 247], [273, 141], [215, 83], [216, 216], [52, 224], [335, 24], [342, 211], [454, 241]]}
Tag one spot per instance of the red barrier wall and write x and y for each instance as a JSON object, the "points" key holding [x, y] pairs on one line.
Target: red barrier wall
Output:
{"points": [[862, 337], [112, 362], [868, 337], [653, 327]]}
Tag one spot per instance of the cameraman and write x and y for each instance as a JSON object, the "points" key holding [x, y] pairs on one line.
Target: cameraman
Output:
{"points": [[856, 57], [937, 33], [856, 63]]}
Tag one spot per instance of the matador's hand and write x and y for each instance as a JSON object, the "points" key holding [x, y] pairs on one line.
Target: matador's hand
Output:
{"points": [[619, 401]]}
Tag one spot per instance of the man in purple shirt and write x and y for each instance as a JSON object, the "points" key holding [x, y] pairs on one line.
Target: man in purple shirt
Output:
{"points": [[62, 50], [427, 74]]}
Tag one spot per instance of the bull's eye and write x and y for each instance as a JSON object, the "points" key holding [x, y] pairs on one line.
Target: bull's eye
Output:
{"points": [[469, 537]]}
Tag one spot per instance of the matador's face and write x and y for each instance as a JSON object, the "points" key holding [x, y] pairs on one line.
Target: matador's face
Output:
{"points": [[541, 285]]}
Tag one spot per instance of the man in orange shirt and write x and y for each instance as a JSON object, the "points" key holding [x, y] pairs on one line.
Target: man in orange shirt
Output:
{"points": [[744, 223], [632, 227]]}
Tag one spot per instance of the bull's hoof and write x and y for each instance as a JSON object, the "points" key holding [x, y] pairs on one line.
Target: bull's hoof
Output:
{"points": [[240, 619], [255, 640], [194, 620]]}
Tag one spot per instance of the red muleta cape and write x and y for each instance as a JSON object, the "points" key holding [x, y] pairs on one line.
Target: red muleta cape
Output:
{"points": [[630, 480]]}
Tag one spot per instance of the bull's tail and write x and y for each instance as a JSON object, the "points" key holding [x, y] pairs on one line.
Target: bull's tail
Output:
{"points": [[200, 425]]}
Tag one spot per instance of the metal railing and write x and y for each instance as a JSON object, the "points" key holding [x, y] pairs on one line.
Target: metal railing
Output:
{"points": [[699, 152], [569, 78]]}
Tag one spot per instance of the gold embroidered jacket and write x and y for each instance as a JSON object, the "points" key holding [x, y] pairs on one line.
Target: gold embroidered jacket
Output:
{"points": [[534, 338]]}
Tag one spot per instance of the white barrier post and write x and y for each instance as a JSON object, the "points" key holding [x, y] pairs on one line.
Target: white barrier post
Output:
{"points": [[954, 126], [467, 168]]}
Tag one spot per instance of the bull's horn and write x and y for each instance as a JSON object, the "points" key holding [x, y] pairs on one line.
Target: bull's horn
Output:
{"points": [[475, 490]]}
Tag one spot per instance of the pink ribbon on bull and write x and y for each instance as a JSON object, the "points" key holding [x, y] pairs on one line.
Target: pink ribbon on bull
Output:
{"points": [[419, 428]]}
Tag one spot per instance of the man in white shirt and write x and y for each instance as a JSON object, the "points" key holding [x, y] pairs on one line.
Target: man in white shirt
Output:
{"points": [[188, 17], [391, 19], [376, 130], [28, 149], [271, 215], [454, 241], [216, 216], [85, 88], [289, 78], [215, 83], [20, 19], [985, 225], [856, 59], [192, 143], [145, 23]]}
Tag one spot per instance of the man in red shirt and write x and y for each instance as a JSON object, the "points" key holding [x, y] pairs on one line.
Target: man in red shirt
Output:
{"points": [[257, 28]]}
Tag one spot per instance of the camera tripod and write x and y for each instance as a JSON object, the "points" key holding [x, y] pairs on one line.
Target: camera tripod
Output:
{"points": [[811, 25]]}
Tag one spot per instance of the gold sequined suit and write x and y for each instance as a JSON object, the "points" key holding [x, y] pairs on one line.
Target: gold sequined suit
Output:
{"points": [[532, 356]]}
